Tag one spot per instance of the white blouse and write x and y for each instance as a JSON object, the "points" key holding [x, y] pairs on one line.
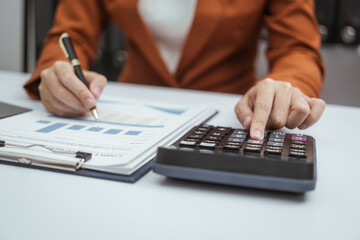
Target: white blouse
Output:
{"points": [[169, 22]]}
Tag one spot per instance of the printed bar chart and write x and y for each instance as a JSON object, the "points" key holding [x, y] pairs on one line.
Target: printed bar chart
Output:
{"points": [[51, 128], [43, 121], [133, 133], [76, 127], [113, 131], [95, 129]]}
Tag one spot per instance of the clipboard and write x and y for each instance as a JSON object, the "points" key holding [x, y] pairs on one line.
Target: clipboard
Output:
{"points": [[57, 165], [92, 173], [8, 110]]}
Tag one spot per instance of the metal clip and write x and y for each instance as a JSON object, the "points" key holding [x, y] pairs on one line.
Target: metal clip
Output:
{"points": [[23, 160], [41, 161], [64, 35], [86, 156]]}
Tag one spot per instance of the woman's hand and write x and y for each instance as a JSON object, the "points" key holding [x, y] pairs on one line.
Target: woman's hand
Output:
{"points": [[274, 104], [63, 94]]}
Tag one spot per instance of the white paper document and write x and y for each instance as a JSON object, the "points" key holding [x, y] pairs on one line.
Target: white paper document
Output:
{"points": [[125, 138]]}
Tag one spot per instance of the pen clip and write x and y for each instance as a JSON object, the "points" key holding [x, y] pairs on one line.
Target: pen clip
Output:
{"points": [[64, 35]]}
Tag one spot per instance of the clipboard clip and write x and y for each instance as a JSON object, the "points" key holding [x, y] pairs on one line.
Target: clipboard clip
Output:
{"points": [[43, 161]]}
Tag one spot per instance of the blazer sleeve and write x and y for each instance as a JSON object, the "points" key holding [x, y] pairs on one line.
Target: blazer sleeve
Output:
{"points": [[84, 20], [294, 43]]}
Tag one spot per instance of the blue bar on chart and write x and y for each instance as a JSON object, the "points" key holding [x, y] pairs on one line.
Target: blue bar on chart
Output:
{"points": [[113, 131], [133, 133], [94, 129], [76, 127], [43, 121], [51, 128]]}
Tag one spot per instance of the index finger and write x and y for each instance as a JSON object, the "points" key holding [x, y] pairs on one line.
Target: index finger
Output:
{"points": [[262, 108], [67, 77]]}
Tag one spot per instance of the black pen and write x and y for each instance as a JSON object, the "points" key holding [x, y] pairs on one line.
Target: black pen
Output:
{"points": [[68, 49]]}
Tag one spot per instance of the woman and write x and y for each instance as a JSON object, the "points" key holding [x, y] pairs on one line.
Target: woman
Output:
{"points": [[196, 44]]}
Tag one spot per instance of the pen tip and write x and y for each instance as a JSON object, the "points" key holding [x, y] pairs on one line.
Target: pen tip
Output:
{"points": [[95, 113]]}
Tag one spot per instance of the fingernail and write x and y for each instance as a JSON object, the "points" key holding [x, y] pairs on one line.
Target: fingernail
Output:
{"points": [[247, 121], [96, 90], [89, 103], [257, 134], [303, 126]]}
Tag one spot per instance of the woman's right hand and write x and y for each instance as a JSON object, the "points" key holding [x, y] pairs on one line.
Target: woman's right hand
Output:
{"points": [[62, 92]]}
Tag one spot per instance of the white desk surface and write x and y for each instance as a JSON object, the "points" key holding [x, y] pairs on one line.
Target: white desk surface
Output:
{"points": [[36, 204]]}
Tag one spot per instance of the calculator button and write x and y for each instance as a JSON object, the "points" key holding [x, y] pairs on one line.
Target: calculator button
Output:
{"points": [[298, 142], [298, 138], [233, 143], [297, 150], [239, 131], [274, 148], [258, 142], [192, 140], [252, 149], [277, 135], [238, 135], [222, 129], [276, 140], [187, 143], [275, 144], [273, 151], [214, 138], [202, 129], [298, 146], [231, 147], [253, 145], [239, 140], [195, 136], [217, 134], [207, 145], [199, 132], [297, 154]]}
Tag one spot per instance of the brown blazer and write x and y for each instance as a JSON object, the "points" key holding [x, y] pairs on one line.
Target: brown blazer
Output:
{"points": [[218, 54]]}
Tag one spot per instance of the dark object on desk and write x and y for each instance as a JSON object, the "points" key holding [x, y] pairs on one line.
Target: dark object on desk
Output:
{"points": [[282, 162], [8, 110]]}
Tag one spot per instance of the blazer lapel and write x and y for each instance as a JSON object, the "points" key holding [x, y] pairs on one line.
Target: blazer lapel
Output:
{"points": [[207, 16], [141, 36]]}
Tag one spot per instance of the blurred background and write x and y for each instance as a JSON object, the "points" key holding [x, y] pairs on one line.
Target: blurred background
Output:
{"points": [[24, 24]]}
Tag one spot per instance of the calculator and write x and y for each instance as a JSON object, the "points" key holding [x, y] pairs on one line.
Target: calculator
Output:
{"points": [[223, 155]]}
